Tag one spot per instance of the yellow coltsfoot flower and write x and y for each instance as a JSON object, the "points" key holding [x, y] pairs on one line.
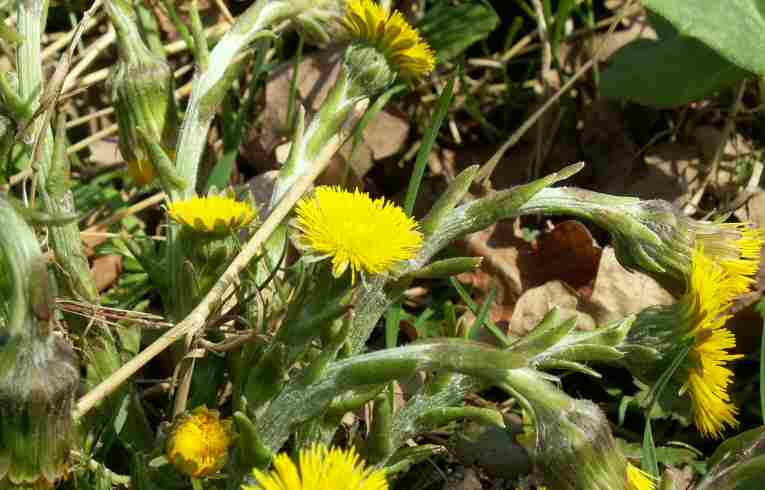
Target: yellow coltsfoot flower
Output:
{"points": [[389, 33], [735, 246], [698, 319], [320, 468], [638, 479], [212, 214], [356, 231], [711, 291], [199, 442]]}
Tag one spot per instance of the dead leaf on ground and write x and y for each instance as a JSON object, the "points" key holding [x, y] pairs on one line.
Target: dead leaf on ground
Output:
{"points": [[671, 172], [384, 136], [568, 253], [106, 270], [617, 293], [675, 171], [105, 152]]}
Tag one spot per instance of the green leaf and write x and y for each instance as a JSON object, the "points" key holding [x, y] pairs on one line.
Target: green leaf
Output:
{"points": [[451, 29], [733, 28], [668, 72]]}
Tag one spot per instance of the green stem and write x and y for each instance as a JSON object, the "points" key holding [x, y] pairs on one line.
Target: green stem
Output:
{"points": [[299, 402], [210, 84], [65, 239]]}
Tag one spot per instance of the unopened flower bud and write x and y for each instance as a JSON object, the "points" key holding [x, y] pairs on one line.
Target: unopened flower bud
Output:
{"points": [[38, 381], [735, 246], [39, 374], [574, 447], [198, 443], [142, 94], [368, 69]]}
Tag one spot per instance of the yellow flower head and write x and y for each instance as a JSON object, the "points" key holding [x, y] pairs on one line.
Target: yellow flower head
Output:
{"points": [[638, 479], [369, 235], [711, 290], [392, 35], [210, 214], [320, 468], [199, 442], [735, 246]]}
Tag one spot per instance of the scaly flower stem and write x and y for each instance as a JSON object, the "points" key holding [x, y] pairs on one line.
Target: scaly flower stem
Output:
{"points": [[299, 402], [580, 203], [65, 239], [211, 84], [323, 132]]}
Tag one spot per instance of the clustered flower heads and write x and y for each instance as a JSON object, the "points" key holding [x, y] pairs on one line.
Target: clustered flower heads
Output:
{"points": [[390, 34], [320, 468], [212, 214], [199, 442], [356, 231]]}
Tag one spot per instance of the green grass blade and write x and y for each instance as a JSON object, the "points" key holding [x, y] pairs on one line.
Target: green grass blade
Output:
{"points": [[427, 145]]}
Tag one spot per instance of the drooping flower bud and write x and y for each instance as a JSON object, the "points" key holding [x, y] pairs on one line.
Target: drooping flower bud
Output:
{"points": [[573, 445], [39, 374], [38, 380], [142, 94]]}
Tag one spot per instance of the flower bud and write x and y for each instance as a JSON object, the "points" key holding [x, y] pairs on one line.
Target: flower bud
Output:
{"points": [[369, 70], [574, 447], [142, 94], [38, 381], [657, 237], [39, 375], [198, 443]]}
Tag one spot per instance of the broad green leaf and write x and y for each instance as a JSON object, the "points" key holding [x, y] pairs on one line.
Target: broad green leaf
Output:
{"points": [[667, 72], [451, 29], [733, 28]]}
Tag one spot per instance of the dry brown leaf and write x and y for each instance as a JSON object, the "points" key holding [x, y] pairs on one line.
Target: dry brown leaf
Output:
{"points": [[384, 136], [535, 303], [568, 253], [106, 270], [105, 152], [617, 293]]}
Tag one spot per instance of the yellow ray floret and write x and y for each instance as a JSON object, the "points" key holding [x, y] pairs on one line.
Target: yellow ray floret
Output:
{"points": [[392, 35], [198, 445], [711, 291], [212, 214], [735, 246], [356, 231], [320, 468], [638, 479]]}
